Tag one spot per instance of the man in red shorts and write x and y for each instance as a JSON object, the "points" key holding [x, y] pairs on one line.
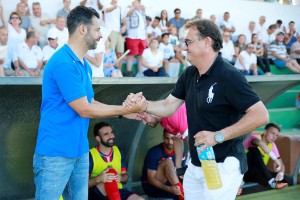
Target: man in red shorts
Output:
{"points": [[136, 38]]}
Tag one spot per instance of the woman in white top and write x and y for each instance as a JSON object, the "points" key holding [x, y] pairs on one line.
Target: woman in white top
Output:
{"points": [[95, 59], [16, 34], [152, 60], [164, 24]]}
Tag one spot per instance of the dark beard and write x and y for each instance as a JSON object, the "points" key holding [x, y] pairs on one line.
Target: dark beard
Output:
{"points": [[107, 144]]}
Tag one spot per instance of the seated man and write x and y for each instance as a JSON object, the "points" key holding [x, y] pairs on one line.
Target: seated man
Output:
{"points": [[260, 148], [176, 125], [159, 179], [103, 157]]}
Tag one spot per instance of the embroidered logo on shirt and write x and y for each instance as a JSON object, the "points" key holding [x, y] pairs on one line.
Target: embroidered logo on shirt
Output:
{"points": [[210, 94]]}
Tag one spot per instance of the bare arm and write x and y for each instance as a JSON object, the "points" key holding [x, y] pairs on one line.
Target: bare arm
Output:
{"points": [[24, 66], [97, 109], [4, 22], [256, 116], [164, 107], [95, 61]]}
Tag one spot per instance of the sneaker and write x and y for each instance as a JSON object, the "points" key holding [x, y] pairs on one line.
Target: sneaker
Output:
{"points": [[277, 185], [139, 75]]}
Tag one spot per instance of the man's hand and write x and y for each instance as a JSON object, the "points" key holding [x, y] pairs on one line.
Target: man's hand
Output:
{"points": [[174, 189], [277, 165], [279, 176], [205, 137], [132, 100]]}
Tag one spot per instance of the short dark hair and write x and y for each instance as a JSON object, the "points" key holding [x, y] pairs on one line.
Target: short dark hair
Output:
{"points": [[269, 125], [30, 34], [272, 26], [207, 28], [279, 21], [80, 15], [148, 18], [291, 22], [164, 34], [157, 18], [177, 9], [98, 126]]}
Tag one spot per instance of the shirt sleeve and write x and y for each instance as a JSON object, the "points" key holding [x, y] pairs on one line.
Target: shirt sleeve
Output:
{"points": [[248, 141]]}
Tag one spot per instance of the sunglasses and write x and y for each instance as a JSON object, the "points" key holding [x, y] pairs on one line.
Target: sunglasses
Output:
{"points": [[15, 18], [188, 42]]}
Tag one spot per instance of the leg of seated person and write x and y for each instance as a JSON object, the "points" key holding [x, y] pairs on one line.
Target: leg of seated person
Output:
{"points": [[1, 71], [291, 65], [166, 65], [129, 62], [257, 170], [166, 172]]}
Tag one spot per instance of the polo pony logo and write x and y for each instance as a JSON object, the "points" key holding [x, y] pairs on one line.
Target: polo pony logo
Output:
{"points": [[210, 94]]}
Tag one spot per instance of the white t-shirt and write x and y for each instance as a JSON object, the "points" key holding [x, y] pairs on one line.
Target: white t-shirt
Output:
{"points": [[112, 18], [266, 38], [163, 26], [43, 30], [156, 32], [30, 57], [295, 47], [167, 50], [227, 50], [248, 35], [136, 25], [97, 71], [260, 31], [48, 51], [152, 59], [248, 60], [173, 39], [228, 24], [62, 36], [15, 38]]}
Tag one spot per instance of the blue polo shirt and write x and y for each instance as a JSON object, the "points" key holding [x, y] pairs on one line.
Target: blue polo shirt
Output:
{"points": [[62, 131]]}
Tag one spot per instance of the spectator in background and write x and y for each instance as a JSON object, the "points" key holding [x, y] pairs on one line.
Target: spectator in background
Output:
{"points": [[213, 19], [65, 10], [261, 28], [164, 24], [116, 22], [136, 38], [61, 31], [228, 48], [246, 62], [51, 48], [168, 51], [16, 34], [177, 21], [174, 41], [41, 22], [159, 179], [295, 49], [104, 156], [227, 25], [153, 30], [259, 52], [152, 60], [260, 148], [7, 57], [250, 31], [109, 61], [239, 45], [30, 55], [27, 9], [278, 54], [26, 22], [280, 26], [148, 21], [97, 5], [290, 36], [198, 15], [298, 100]]}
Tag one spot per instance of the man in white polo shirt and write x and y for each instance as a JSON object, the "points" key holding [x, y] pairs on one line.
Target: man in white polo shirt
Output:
{"points": [[246, 61], [61, 31], [30, 55], [52, 46]]}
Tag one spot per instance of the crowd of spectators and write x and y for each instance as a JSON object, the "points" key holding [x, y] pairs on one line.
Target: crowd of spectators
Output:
{"points": [[30, 36]]}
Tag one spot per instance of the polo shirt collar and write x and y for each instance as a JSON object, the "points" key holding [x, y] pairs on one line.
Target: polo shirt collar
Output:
{"points": [[71, 53], [214, 65]]}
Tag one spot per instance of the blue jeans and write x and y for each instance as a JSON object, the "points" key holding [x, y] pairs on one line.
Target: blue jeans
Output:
{"points": [[54, 176]]}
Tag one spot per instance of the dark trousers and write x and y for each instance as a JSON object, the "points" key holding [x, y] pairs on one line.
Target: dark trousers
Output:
{"points": [[264, 64], [161, 72], [258, 171]]}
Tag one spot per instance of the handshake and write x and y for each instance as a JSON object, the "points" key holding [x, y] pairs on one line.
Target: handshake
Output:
{"points": [[138, 106]]}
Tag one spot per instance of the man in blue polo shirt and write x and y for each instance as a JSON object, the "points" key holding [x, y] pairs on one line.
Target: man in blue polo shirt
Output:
{"points": [[221, 107], [61, 159]]}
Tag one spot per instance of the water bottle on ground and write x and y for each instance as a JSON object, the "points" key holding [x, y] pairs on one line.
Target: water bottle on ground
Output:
{"points": [[210, 168]]}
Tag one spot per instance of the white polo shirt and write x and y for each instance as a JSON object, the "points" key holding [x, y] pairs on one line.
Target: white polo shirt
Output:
{"points": [[227, 50], [30, 57], [248, 60], [48, 51], [167, 50]]}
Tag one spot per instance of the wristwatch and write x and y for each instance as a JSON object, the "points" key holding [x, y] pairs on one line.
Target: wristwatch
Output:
{"points": [[219, 138]]}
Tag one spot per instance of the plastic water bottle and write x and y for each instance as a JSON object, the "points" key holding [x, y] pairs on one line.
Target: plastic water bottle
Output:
{"points": [[210, 168]]}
